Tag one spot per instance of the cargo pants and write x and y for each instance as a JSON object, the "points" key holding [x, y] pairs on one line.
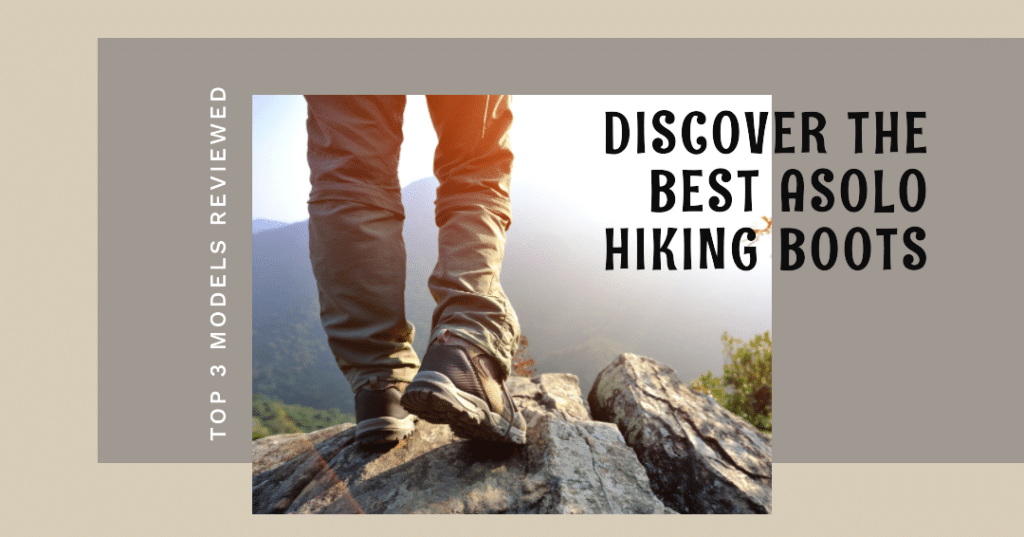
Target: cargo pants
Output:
{"points": [[355, 229]]}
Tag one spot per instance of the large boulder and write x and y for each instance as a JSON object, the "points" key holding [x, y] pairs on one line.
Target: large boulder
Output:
{"points": [[700, 457], [571, 464]]}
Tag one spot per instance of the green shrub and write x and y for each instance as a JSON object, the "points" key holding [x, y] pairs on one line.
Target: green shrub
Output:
{"points": [[271, 416], [745, 387]]}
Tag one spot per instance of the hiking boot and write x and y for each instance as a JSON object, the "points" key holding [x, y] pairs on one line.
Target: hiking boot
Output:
{"points": [[380, 418], [459, 387]]}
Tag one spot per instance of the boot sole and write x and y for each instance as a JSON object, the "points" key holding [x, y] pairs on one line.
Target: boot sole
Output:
{"points": [[384, 430], [433, 397]]}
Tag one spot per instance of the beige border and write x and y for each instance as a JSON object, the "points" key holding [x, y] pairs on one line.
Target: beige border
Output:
{"points": [[49, 144]]}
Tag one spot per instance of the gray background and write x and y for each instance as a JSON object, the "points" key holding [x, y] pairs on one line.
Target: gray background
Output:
{"points": [[875, 366]]}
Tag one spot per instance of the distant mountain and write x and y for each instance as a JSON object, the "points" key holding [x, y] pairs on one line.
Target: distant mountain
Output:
{"points": [[290, 358], [576, 315], [261, 224]]}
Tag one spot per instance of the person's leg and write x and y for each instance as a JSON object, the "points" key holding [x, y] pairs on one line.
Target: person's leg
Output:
{"points": [[473, 164], [355, 242], [474, 332]]}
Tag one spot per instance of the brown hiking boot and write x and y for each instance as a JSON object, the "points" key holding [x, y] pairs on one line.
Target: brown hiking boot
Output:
{"points": [[459, 387], [380, 418]]}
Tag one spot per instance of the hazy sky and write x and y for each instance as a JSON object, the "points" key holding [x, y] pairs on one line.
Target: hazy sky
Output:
{"points": [[559, 146], [280, 173]]}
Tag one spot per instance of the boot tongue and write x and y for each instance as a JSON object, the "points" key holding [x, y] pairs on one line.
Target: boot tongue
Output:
{"points": [[488, 364], [492, 386]]}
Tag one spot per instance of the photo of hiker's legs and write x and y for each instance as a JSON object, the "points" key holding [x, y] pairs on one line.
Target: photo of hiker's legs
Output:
{"points": [[474, 328], [358, 255], [358, 258]]}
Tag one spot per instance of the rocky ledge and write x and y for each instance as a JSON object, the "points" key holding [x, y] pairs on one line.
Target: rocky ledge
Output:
{"points": [[572, 463], [700, 457]]}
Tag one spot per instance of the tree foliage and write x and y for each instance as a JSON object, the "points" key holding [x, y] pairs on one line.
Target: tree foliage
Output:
{"points": [[291, 361], [522, 364], [745, 387], [767, 230], [271, 416]]}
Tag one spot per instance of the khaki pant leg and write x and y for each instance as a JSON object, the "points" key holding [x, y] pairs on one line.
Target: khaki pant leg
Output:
{"points": [[473, 164], [355, 234]]}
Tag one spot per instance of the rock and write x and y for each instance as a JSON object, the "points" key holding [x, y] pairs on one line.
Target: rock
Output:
{"points": [[283, 465], [571, 464], [700, 457]]}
